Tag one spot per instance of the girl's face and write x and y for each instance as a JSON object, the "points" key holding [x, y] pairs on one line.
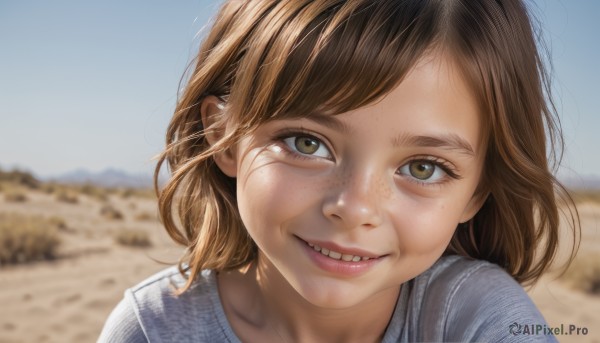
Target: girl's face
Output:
{"points": [[383, 186]]}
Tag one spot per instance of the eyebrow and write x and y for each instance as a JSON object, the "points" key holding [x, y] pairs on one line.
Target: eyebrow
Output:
{"points": [[331, 122], [448, 141]]}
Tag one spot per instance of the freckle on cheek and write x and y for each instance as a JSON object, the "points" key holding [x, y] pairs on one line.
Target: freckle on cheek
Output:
{"points": [[336, 183], [383, 190]]}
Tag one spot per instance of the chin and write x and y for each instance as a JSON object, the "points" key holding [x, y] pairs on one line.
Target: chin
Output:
{"points": [[331, 293]]}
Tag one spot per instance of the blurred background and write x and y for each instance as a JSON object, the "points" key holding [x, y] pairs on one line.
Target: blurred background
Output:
{"points": [[92, 84], [87, 89]]}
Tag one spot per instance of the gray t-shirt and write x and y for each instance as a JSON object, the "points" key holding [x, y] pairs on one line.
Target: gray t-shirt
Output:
{"points": [[456, 300]]}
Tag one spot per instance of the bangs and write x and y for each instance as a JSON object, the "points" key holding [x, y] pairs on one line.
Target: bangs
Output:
{"points": [[329, 57]]}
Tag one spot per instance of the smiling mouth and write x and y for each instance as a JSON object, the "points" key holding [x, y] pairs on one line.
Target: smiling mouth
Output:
{"points": [[337, 255]]}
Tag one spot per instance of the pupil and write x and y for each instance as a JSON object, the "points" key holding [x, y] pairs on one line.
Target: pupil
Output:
{"points": [[421, 170], [306, 145]]}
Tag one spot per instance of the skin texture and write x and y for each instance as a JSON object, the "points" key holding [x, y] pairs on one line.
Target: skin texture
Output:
{"points": [[356, 189]]}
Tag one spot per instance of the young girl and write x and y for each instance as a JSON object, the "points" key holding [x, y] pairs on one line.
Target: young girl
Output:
{"points": [[356, 171]]}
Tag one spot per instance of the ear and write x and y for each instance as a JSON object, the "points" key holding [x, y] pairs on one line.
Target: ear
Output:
{"points": [[474, 205], [214, 124]]}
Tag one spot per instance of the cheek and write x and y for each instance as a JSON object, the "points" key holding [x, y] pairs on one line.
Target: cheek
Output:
{"points": [[269, 196], [426, 226]]}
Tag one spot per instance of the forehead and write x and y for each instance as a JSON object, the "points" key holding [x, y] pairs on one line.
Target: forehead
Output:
{"points": [[432, 101]]}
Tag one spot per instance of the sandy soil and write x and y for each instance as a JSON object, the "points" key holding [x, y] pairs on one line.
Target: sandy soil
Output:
{"points": [[561, 304], [67, 300]]}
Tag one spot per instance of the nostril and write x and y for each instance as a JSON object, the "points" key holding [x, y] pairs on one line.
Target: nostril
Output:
{"points": [[352, 210]]}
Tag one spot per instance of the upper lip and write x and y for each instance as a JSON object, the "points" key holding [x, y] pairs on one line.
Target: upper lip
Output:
{"points": [[342, 250]]}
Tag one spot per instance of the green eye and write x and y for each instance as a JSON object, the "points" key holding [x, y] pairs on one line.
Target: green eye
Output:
{"points": [[306, 145], [425, 171], [421, 170]]}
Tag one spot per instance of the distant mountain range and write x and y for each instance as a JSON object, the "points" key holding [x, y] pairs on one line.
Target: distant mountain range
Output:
{"points": [[107, 178], [112, 177]]}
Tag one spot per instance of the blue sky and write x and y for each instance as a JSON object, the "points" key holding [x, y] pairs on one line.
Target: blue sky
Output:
{"points": [[92, 84]]}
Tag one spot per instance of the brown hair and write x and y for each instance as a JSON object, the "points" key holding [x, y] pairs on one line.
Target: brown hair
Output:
{"points": [[278, 59]]}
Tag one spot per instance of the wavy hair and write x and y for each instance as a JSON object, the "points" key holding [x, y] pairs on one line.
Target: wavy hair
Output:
{"points": [[272, 59]]}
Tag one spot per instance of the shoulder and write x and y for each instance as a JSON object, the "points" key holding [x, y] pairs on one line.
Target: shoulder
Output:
{"points": [[153, 311], [470, 300], [156, 295]]}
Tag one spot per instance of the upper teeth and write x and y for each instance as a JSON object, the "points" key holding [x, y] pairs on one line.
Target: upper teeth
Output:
{"points": [[337, 255]]}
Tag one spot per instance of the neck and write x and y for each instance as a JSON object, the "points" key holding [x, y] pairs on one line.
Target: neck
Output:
{"points": [[272, 304]]}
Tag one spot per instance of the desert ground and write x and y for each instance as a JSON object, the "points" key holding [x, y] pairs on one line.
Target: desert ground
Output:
{"points": [[67, 296]]}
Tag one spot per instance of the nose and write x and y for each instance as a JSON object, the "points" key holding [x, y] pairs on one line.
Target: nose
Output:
{"points": [[354, 202]]}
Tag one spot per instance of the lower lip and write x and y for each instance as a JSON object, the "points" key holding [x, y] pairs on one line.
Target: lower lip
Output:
{"points": [[339, 267]]}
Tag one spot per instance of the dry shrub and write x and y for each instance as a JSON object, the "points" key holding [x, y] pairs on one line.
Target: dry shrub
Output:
{"points": [[66, 196], [15, 196], [127, 193], [145, 217], [52, 187], [58, 222], [147, 193], [586, 196], [109, 212], [584, 273], [133, 238], [94, 192], [113, 190], [26, 238], [19, 177]]}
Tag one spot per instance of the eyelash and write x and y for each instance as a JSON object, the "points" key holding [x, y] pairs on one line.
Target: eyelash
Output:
{"points": [[444, 165], [288, 133]]}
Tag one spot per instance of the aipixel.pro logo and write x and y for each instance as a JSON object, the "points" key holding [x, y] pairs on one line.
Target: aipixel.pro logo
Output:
{"points": [[542, 329]]}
